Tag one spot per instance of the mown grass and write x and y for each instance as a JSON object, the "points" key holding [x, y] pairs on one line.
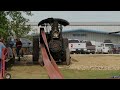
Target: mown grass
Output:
{"points": [[28, 72], [38, 72], [90, 74]]}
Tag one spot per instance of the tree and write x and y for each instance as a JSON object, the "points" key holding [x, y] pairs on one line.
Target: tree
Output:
{"points": [[3, 24], [14, 21]]}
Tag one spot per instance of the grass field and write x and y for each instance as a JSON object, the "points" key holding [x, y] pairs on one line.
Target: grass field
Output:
{"points": [[82, 67], [90, 74], [38, 72]]}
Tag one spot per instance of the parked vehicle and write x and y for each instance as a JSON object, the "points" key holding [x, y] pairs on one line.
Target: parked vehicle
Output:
{"points": [[25, 42], [27, 46], [105, 48], [116, 49], [76, 46], [90, 48]]}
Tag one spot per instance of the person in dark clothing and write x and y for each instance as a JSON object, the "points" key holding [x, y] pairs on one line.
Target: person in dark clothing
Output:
{"points": [[18, 46]]}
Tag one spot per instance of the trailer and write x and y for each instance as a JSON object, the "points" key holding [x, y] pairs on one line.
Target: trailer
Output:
{"points": [[3, 72]]}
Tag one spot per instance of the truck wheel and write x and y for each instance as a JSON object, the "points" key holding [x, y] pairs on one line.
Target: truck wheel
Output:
{"points": [[71, 53], [7, 76], [35, 49]]}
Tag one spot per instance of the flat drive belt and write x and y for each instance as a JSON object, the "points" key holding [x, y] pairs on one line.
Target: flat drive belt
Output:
{"points": [[50, 64]]}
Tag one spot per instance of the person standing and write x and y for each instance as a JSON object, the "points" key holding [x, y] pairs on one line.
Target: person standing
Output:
{"points": [[18, 46], [11, 43], [1, 47]]}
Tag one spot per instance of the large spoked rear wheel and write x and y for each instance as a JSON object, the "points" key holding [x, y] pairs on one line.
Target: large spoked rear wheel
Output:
{"points": [[67, 56], [66, 52], [35, 49]]}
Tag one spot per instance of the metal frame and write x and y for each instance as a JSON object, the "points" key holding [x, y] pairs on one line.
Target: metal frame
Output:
{"points": [[2, 69]]}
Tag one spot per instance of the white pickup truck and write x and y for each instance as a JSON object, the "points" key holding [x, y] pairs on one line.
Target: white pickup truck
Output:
{"points": [[104, 48], [75, 46]]}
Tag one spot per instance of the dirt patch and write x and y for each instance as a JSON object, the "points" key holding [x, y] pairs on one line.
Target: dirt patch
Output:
{"points": [[87, 62], [95, 62]]}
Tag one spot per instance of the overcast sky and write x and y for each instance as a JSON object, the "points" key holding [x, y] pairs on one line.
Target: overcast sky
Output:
{"points": [[77, 16]]}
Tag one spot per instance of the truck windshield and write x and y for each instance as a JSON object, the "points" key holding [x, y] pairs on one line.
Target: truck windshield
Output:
{"points": [[109, 45], [73, 41]]}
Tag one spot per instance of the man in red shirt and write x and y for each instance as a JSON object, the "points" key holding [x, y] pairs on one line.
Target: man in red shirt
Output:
{"points": [[18, 46]]}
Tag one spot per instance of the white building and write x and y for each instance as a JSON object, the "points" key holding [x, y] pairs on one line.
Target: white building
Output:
{"points": [[93, 31], [91, 35]]}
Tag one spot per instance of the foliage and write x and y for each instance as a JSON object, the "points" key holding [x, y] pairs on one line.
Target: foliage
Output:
{"points": [[3, 24], [30, 37], [14, 21]]}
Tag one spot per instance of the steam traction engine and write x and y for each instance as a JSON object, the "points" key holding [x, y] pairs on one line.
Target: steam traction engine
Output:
{"points": [[58, 45]]}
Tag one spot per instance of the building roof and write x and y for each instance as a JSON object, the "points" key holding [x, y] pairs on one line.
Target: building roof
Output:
{"points": [[83, 23], [89, 30]]}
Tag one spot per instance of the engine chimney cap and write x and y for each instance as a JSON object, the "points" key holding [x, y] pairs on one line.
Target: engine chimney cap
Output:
{"points": [[51, 20]]}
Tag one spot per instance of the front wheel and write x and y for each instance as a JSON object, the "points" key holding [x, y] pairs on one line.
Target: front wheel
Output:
{"points": [[7, 76]]}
